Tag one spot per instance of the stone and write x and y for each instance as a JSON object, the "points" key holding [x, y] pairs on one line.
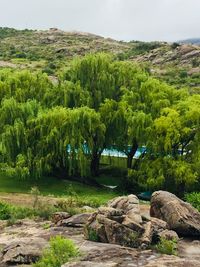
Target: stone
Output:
{"points": [[78, 220], [59, 216], [133, 225], [23, 252], [146, 239], [168, 261], [91, 264], [179, 215], [102, 227], [169, 235], [121, 223], [119, 234], [113, 214], [151, 233], [129, 205]]}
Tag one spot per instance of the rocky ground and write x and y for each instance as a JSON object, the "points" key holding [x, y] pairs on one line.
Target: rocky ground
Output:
{"points": [[26, 240], [23, 242]]}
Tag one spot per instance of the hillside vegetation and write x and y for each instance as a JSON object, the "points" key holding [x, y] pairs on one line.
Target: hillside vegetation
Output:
{"points": [[52, 50]]}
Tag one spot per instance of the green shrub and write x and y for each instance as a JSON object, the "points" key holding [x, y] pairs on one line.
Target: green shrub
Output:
{"points": [[92, 234], [193, 199], [44, 211], [61, 250], [5, 211], [168, 247]]}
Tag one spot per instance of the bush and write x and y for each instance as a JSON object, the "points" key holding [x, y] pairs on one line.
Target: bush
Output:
{"points": [[61, 250], [5, 211], [168, 247], [193, 199], [44, 211], [92, 234]]}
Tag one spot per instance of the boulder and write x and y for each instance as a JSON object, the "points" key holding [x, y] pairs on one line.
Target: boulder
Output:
{"points": [[179, 215], [23, 252], [78, 220], [59, 216], [130, 206], [169, 235], [121, 223], [105, 228]]}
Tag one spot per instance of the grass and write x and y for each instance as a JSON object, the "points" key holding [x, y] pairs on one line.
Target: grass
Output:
{"points": [[56, 187]]}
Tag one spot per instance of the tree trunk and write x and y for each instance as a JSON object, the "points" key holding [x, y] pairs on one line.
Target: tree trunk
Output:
{"points": [[129, 161], [94, 166], [131, 154]]}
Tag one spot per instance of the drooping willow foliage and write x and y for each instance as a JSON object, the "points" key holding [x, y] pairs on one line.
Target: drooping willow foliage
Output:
{"points": [[99, 102]]}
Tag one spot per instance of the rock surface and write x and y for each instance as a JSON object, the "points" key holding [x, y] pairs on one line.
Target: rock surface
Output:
{"points": [[75, 221], [94, 254], [169, 261], [23, 242], [59, 216], [179, 215], [26, 252], [130, 206], [122, 223]]}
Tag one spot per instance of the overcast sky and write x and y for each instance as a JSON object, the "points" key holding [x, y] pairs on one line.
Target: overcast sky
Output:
{"points": [[147, 20]]}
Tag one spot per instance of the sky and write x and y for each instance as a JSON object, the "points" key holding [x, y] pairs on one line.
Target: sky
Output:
{"points": [[145, 20]]}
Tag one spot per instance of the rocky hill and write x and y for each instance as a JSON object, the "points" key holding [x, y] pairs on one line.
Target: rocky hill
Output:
{"points": [[190, 41], [51, 50]]}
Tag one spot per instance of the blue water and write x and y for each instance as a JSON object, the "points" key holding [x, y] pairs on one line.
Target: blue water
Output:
{"points": [[113, 152]]}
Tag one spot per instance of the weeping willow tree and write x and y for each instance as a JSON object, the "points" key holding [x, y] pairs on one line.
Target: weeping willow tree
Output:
{"points": [[14, 141], [39, 144], [99, 102], [173, 149], [88, 133], [24, 85], [67, 94]]}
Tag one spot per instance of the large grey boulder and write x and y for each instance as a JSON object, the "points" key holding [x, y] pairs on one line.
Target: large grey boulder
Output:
{"points": [[20, 252], [179, 215]]}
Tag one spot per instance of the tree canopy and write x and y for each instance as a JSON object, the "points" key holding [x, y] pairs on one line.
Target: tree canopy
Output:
{"points": [[97, 103]]}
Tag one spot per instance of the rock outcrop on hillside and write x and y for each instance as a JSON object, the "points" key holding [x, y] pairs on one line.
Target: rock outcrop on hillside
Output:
{"points": [[179, 215]]}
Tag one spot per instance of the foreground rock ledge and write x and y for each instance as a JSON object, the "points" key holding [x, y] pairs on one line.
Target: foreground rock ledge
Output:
{"points": [[179, 215]]}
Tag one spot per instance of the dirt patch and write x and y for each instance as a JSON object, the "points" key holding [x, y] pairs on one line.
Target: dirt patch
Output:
{"points": [[25, 199]]}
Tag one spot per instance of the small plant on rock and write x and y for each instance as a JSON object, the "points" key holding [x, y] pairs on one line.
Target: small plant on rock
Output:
{"points": [[92, 234], [166, 246], [61, 250]]}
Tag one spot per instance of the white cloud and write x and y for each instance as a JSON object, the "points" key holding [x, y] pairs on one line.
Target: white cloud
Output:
{"points": [[121, 19]]}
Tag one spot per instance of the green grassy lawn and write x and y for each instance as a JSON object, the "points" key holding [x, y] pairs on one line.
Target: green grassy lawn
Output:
{"points": [[56, 187]]}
